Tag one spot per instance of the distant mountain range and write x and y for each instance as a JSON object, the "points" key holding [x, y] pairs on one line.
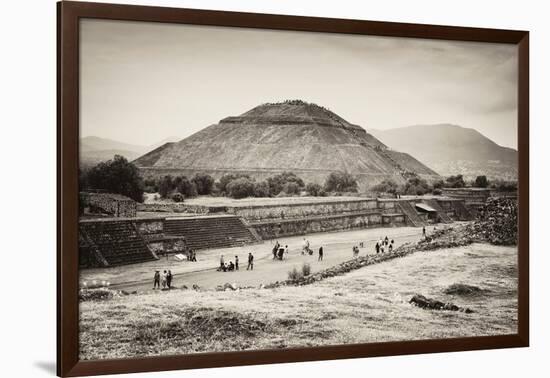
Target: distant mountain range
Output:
{"points": [[94, 150], [451, 149]]}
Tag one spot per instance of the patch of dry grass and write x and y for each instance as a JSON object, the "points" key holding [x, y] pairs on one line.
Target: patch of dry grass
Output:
{"points": [[366, 305]]}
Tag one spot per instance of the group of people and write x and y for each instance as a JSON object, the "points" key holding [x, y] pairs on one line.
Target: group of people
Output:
{"points": [[305, 248], [384, 245], [279, 252], [233, 266], [191, 255], [164, 280]]}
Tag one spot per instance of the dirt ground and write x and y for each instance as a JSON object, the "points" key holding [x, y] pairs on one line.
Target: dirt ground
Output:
{"points": [[366, 305], [337, 248]]}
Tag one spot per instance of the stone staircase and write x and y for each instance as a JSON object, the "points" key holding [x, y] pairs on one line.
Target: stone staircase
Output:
{"points": [[115, 242], [207, 232], [410, 213], [440, 212]]}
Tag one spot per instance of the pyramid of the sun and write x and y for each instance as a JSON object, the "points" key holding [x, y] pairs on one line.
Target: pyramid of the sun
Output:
{"points": [[294, 136]]}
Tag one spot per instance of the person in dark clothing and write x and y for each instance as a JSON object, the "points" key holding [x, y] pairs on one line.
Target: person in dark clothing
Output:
{"points": [[423, 231], [377, 247], [230, 266], [250, 261], [386, 240], [320, 254], [156, 280], [236, 262], [169, 279]]}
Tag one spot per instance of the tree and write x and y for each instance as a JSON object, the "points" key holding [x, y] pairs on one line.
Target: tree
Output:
{"points": [[226, 179], [438, 184], [341, 182], [185, 186], [481, 182], [455, 182], [240, 188], [166, 186], [416, 186], [386, 186], [177, 197], [314, 189], [276, 183], [204, 183], [291, 188], [261, 189], [117, 176], [150, 186], [505, 186]]}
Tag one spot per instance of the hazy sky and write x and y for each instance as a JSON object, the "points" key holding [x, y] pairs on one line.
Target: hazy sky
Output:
{"points": [[143, 82]]}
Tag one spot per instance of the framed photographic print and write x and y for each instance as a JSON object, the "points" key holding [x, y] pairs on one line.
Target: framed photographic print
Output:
{"points": [[240, 188]]}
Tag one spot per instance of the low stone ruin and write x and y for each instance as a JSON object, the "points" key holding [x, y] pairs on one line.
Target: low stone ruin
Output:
{"points": [[432, 304]]}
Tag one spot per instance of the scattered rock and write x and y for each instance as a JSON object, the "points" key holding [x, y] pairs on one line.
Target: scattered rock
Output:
{"points": [[230, 286], [463, 289], [432, 304], [95, 294]]}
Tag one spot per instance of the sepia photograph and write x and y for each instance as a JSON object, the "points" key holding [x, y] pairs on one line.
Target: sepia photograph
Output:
{"points": [[247, 189]]}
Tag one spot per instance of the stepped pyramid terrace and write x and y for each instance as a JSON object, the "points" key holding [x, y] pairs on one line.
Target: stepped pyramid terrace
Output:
{"points": [[304, 138]]}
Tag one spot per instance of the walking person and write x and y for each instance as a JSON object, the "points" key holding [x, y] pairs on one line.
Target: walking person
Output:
{"points": [[275, 249], [377, 248], [320, 254], [250, 261], [236, 262], [156, 280], [169, 279], [164, 279], [286, 251], [222, 263], [424, 231]]}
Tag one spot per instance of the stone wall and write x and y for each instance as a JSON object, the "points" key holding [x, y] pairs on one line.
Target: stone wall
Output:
{"points": [[293, 211], [173, 207], [471, 196], [168, 246], [289, 227], [114, 205], [149, 227]]}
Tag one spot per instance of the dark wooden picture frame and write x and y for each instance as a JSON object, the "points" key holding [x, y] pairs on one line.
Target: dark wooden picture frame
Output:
{"points": [[69, 14]]}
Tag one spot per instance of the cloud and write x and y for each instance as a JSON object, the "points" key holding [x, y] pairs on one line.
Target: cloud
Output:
{"points": [[167, 79]]}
